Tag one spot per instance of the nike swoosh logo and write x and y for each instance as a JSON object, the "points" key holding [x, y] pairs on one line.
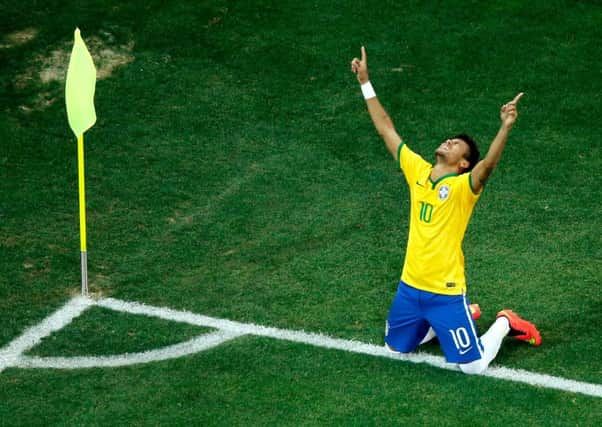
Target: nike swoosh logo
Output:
{"points": [[417, 183], [465, 351]]}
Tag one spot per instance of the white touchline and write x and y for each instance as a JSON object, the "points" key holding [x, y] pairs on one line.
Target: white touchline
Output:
{"points": [[320, 340], [227, 330]]}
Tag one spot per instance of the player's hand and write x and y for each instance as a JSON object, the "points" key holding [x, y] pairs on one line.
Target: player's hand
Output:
{"points": [[360, 67], [509, 112]]}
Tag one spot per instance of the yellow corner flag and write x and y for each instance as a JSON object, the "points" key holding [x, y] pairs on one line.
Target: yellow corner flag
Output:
{"points": [[79, 98], [80, 86]]}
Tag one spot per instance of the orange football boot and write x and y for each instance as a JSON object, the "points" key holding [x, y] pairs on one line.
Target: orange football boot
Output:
{"points": [[520, 328]]}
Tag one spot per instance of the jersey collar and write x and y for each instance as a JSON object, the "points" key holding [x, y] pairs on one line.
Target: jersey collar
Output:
{"points": [[441, 178]]}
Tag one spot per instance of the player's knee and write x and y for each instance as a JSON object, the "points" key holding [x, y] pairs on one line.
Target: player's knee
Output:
{"points": [[391, 349], [473, 368], [396, 351]]}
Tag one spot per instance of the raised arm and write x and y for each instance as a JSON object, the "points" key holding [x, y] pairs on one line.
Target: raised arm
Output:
{"points": [[485, 167], [380, 118]]}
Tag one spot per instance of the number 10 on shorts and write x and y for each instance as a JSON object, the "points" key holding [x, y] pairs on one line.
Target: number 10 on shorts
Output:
{"points": [[461, 338]]}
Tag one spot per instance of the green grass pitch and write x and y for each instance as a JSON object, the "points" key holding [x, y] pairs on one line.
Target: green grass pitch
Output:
{"points": [[234, 172]]}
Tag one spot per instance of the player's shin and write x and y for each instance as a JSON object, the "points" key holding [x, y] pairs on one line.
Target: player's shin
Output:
{"points": [[492, 341]]}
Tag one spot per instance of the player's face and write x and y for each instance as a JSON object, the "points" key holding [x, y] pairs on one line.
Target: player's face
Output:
{"points": [[453, 150]]}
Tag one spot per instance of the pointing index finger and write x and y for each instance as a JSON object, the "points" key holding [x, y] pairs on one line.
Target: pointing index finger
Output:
{"points": [[517, 98], [363, 54]]}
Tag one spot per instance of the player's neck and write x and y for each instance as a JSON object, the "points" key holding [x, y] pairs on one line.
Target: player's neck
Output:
{"points": [[441, 169]]}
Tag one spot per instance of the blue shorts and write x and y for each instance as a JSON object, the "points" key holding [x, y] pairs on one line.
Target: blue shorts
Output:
{"points": [[413, 311]]}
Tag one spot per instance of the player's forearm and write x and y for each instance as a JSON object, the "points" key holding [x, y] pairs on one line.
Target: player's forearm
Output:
{"points": [[496, 148], [483, 170], [384, 125], [380, 118]]}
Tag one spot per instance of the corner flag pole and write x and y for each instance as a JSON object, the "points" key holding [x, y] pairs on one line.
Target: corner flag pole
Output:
{"points": [[79, 99], [82, 213]]}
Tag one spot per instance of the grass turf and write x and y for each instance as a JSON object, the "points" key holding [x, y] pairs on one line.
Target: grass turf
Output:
{"points": [[234, 172]]}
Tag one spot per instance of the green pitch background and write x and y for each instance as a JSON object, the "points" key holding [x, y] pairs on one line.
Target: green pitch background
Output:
{"points": [[234, 172]]}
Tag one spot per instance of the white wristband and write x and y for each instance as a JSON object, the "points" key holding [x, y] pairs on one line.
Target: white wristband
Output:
{"points": [[368, 90]]}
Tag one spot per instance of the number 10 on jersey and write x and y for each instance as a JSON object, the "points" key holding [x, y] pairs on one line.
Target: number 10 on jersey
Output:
{"points": [[426, 212]]}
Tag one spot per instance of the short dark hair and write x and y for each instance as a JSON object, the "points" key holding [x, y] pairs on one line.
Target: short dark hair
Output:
{"points": [[474, 155]]}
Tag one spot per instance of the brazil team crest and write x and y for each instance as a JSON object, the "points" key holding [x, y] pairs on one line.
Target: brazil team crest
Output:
{"points": [[444, 192]]}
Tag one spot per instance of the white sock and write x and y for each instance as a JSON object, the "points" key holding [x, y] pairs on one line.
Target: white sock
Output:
{"points": [[430, 334], [492, 341]]}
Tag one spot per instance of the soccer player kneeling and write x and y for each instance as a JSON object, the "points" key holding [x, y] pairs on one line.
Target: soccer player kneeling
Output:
{"points": [[431, 296]]}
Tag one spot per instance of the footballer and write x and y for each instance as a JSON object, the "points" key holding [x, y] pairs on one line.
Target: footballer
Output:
{"points": [[431, 296]]}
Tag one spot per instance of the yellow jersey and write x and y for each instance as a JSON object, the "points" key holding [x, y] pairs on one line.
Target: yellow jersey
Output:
{"points": [[439, 214]]}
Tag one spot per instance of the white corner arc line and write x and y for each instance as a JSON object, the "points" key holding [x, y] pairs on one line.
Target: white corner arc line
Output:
{"points": [[194, 345], [10, 354], [319, 340]]}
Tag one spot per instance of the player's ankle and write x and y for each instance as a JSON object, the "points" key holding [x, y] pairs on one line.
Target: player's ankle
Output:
{"points": [[503, 320]]}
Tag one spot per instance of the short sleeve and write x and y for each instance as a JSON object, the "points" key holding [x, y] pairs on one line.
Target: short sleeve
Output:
{"points": [[466, 189], [411, 163]]}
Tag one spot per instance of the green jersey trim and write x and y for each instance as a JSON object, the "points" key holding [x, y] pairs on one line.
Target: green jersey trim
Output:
{"points": [[399, 153], [470, 184], [441, 179]]}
